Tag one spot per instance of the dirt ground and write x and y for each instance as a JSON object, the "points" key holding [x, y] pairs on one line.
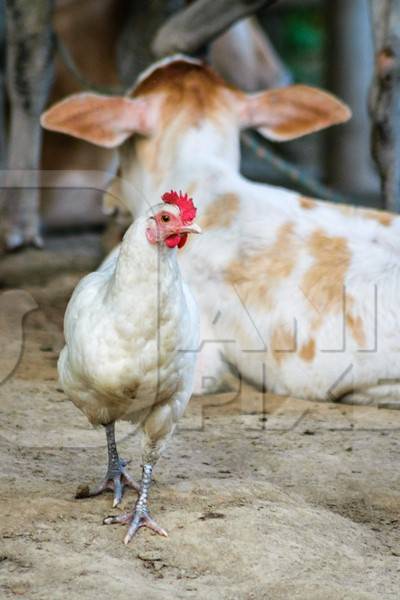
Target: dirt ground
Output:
{"points": [[263, 498]]}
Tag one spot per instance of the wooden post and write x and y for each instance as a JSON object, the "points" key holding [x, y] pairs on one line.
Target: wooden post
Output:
{"points": [[385, 98], [3, 132], [350, 48]]}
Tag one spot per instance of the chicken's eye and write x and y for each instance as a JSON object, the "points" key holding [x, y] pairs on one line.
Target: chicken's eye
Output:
{"points": [[165, 218]]}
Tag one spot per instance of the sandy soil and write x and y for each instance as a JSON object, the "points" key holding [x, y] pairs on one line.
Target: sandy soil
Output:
{"points": [[271, 498]]}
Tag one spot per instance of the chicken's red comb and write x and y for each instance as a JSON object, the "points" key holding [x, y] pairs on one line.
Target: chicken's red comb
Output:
{"points": [[185, 204]]}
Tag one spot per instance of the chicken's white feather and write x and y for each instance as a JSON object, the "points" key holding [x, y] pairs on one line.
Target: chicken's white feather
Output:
{"points": [[131, 329]]}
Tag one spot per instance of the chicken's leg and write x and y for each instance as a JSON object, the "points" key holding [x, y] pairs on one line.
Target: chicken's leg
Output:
{"points": [[157, 428], [140, 516], [116, 477]]}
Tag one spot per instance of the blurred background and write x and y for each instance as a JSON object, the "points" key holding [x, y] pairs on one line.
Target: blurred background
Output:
{"points": [[102, 45], [329, 44]]}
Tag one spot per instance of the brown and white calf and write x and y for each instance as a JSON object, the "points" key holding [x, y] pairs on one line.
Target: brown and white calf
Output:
{"points": [[299, 296]]}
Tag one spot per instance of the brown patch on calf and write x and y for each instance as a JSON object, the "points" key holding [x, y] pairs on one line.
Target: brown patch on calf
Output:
{"points": [[323, 283], [307, 203], [346, 209], [221, 213], [283, 342], [355, 323], [256, 276], [324, 287], [174, 75], [184, 95], [356, 327], [194, 88], [307, 351], [382, 217]]}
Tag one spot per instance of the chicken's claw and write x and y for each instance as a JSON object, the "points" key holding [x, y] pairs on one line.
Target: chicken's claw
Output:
{"points": [[115, 482], [140, 516], [136, 519]]}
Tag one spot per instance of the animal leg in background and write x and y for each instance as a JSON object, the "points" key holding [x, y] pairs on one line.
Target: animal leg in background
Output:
{"points": [[29, 71], [116, 477], [141, 23], [3, 132], [245, 56], [385, 395], [190, 29]]}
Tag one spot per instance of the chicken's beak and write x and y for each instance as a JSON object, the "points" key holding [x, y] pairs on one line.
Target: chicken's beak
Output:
{"points": [[193, 228]]}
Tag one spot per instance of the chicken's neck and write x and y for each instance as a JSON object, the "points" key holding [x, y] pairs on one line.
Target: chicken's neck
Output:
{"points": [[142, 268]]}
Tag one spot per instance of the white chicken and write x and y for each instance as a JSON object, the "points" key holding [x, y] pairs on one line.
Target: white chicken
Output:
{"points": [[131, 330]]}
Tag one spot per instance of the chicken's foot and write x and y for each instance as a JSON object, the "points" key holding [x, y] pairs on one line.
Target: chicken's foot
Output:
{"points": [[140, 516], [116, 477]]}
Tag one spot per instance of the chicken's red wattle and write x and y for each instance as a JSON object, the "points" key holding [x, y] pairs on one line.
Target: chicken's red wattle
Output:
{"points": [[173, 240]]}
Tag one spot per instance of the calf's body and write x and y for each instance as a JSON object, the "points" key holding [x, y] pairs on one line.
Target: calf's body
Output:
{"points": [[298, 296]]}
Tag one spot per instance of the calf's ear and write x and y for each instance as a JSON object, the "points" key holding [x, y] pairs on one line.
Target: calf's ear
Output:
{"points": [[106, 121], [288, 113]]}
